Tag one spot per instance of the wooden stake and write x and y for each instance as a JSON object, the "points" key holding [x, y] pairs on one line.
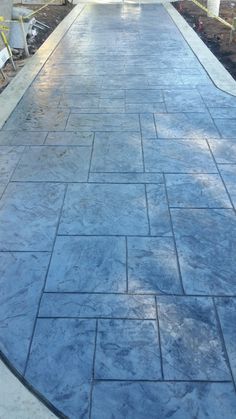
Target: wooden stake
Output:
{"points": [[232, 32], [24, 36]]}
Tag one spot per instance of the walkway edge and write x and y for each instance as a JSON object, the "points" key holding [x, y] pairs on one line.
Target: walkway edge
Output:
{"points": [[216, 71], [13, 93]]}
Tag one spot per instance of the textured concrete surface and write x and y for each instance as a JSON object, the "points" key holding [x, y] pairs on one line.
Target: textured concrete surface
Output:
{"points": [[118, 226]]}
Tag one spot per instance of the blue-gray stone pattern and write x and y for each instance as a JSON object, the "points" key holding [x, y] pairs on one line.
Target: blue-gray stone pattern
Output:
{"points": [[118, 225]]}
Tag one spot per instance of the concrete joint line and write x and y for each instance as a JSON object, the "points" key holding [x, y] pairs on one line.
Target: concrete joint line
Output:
{"points": [[216, 71], [11, 96]]}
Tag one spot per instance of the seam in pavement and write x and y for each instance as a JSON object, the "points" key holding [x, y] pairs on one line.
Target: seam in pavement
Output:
{"points": [[216, 71], [13, 93]]}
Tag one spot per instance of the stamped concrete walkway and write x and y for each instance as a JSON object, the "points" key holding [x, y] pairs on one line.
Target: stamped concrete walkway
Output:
{"points": [[118, 227]]}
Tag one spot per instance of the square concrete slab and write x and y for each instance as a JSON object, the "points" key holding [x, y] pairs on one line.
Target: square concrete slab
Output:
{"points": [[191, 344], [70, 344], [163, 400], [117, 152], [185, 125], [88, 264], [104, 210], [9, 157], [206, 239], [152, 266], [179, 156], [196, 191], [22, 277], [128, 350], [226, 308], [54, 163], [32, 212]]}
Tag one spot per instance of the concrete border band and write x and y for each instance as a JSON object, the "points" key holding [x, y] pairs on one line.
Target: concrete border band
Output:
{"points": [[216, 71], [13, 93]]}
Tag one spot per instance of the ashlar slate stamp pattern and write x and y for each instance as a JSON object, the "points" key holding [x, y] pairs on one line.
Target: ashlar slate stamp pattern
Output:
{"points": [[118, 225]]}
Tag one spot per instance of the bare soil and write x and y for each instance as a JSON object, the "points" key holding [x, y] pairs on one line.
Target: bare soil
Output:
{"points": [[213, 33], [50, 16]]}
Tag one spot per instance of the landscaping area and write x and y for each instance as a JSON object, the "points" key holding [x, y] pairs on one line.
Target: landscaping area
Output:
{"points": [[213, 33], [50, 16]]}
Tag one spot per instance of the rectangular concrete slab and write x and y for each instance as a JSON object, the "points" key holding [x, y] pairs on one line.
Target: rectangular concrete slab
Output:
{"points": [[152, 266], [127, 349], [22, 138], [228, 173], [104, 209], [9, 158], [158, 212], [126, 177], [98, 306], [54, 163], [196, 191], [100, 122], [226, 308], [179, 156], [117, 152], [88, 264], [185, 125], [32, 211], [205, 241], [22, 277], [191, 343], [70, 138], [134, 400], [70, 342]]}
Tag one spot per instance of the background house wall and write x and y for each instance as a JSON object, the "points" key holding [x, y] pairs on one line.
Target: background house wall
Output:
{"points": [[5, 11]]}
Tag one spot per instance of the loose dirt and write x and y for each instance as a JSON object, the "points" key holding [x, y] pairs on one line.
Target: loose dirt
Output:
{"points": [[213, 33], [50, 16]]}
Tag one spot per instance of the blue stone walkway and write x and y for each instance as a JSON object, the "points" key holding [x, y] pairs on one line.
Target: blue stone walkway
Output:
{"points": [[118, 225]]}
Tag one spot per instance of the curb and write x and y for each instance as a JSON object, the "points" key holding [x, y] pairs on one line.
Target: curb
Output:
{"points": [[216, 71], [19, 395], [13, 93]]}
